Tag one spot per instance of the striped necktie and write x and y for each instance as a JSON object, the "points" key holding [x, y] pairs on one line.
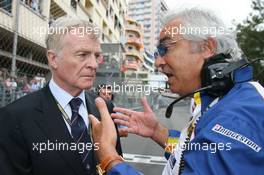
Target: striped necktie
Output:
{"points": [[80, 134]]}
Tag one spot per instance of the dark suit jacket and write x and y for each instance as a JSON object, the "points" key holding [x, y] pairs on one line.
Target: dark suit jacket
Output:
{"points": [[36, 119]]}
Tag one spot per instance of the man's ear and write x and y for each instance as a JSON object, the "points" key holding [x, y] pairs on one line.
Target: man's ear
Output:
{"points": [[51, 55], [209, 48]]}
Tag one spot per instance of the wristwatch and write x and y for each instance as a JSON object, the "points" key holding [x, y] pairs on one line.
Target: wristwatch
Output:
{"points": [[101, 168]]}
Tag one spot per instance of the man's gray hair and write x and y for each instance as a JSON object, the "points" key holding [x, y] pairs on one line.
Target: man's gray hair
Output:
{"points": [[201, 24], [66, 24]]}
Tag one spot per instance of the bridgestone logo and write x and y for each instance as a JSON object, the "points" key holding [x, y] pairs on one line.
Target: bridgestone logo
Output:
{"points": [[233, 135]]}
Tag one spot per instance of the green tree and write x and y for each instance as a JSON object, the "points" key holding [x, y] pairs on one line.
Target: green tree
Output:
{"points": [[251, 37]]}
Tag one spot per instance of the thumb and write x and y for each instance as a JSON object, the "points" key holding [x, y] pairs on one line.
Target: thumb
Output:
{"points": [[94, 121], [101, 106], [145, 104]]}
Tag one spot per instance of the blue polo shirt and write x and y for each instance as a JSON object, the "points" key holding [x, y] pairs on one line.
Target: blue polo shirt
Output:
{"points": [[230, 134]]}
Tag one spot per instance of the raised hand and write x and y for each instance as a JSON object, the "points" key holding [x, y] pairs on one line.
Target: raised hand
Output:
{"points": [[140, 123], [103, 131], [144, 123]]}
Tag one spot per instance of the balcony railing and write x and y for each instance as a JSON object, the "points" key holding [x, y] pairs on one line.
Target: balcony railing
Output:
{"points": [[135, 41], [131, 65], [6, 6], [135, 54], [133, 28]]}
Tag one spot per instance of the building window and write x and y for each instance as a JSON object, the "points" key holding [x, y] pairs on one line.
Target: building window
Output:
{"points": [[130, 59], [6, 5], [33, 4], [130, 48], [103, 36], [111, 10], [142, 76], [147, 25], [74, 4], [115, 22]]}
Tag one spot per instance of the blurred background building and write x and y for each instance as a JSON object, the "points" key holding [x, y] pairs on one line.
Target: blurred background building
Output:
{"points": [[23, 26], [150, 14]]}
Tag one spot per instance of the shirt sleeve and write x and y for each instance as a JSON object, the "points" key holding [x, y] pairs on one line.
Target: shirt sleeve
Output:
{"points": [[123, 169], [171, 142]]}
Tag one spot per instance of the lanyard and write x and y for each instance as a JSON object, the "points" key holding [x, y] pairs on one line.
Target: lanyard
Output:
{"points": [[190, 131], [64, 114], [68, 120]]}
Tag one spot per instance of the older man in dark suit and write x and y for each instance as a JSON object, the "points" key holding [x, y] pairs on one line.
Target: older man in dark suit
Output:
{"points": [[47, 132]]}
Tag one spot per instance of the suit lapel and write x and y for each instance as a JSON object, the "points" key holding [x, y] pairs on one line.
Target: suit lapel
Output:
{"points": [[54, 127], [90, 103]]}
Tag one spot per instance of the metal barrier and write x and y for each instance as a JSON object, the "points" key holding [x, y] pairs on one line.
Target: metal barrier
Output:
{"points": [[132, 101], [9, 95]]}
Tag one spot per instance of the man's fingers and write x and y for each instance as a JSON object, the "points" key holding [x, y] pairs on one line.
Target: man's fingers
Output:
{"points": [[101, 106], [94, 121], [123, 129], [145, 104], [127, 129], [120, 116], [123, 110], [121, 122]]}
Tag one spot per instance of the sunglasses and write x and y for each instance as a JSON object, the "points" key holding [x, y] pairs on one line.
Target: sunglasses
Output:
{"points": [[163, 47]]}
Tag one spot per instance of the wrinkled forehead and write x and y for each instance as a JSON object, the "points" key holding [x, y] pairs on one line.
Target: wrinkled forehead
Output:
{"points": [[171, 30]]}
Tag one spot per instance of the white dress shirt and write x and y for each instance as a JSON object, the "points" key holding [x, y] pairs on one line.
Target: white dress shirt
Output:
{"points": [[64, 99]]}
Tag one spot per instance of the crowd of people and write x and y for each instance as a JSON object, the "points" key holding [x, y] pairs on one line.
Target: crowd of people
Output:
{"points": [[12, 88]]}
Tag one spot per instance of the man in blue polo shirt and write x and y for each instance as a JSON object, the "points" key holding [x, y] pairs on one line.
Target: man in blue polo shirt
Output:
{"points": [[225, 134]]}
